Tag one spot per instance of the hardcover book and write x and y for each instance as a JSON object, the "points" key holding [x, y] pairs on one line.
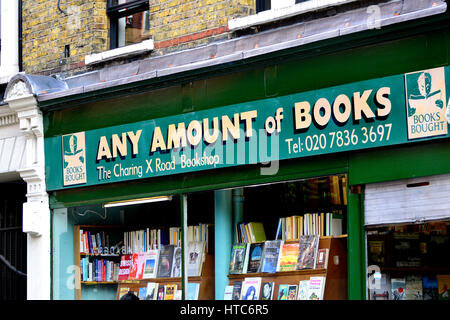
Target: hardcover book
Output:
{"points": [[381, 288], [322, 258], [228, 294], [413, 287], [283, 291], [151, 264], [430, 288], [124, 268], [152, 291], [238, 258], [237, 288], [195, 260], [271, 256], [292, 292], [251, 288], [193, 290], [309, 246], [255, 255], [165, 261], [443, 287], [161, 292], [176, 264], [170, 291], [303, 290], [398, 286], [134, 266], [267, 291], [316, 288], [289, 256]]}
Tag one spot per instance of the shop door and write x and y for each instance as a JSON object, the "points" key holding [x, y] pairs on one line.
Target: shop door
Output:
{"points": [[13, 242]]}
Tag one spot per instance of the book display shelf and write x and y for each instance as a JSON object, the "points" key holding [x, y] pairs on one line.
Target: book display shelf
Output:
{"points": [[306, 256], [334, 272], [409, 262], [129, 260]]}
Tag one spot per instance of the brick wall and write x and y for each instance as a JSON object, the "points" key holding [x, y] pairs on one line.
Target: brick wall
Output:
{"points": [[180, 24], [46, 31], [84, 26]]}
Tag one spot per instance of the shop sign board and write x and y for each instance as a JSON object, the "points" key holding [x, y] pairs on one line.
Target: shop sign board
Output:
{"points": [[380, 112]]}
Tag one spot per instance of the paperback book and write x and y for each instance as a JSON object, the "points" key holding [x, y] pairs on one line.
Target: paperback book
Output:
{"points": [[151, 264], [228, 294], [398, 286], [292, 292], [237, 288], [255, 256], [267, 291], [152, 291], [309, 246], [251, 288], [430, 288], [196, 256], [238, 258], [303, 290], [165, 261], [271, 255], [381, 289], [176, 262], [283, 291], [443, 287], [322, 258], [193, 290], [316, 288], [170, 291], [413, 287], [289, 256]]}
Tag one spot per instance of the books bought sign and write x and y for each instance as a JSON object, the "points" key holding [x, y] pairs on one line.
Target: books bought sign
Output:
{"points": [[380, 112]]}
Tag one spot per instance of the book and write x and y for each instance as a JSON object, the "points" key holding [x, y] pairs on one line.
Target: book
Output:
{"points": [[196, 257], [176, 264], [322, 258], [124, 268], [142, 293], [302, 293], [238, 254], [152, 291], [169, 291], [398, 288], [381, 288], [251, 288], [228, 294], [140, 265], [165, 261], [283, 291], [161, 292], [237, 288], [292, 292], [443, 287], [288, 257], [307, 252], [316, 288], [271, 256], [193, 290], [430, 288], [267, 290], [134, 266], [255, 255], [257, 233], [413, 287], [151, 264], [178, 294]]}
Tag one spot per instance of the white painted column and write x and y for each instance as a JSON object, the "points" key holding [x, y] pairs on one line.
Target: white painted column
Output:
{"points": [[36, 212], [9, 58]]}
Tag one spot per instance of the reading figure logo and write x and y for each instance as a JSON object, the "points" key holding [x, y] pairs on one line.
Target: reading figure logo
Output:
{"points": [[426, 101], [74, 159]]}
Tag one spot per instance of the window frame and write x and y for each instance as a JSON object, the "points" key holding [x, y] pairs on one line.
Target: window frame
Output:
{"points": [[116, 12]]}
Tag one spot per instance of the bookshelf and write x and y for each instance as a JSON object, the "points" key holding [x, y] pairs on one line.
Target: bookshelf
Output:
{"points": [[206, 281], [335, 273], [79, 255]]}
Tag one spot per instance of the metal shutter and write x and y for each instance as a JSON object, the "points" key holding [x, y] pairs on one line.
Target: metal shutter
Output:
{"points": [[407, 201]]}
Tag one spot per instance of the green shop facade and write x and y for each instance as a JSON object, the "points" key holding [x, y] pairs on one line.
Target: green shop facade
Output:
{"points": [[371, 107]]}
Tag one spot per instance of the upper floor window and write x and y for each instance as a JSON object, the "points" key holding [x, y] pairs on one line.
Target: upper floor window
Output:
{"points": [[129, 22], [263, 5]]}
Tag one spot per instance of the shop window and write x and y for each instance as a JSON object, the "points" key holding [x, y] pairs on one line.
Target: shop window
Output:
{"points": [[409, 262], [129, 22]]}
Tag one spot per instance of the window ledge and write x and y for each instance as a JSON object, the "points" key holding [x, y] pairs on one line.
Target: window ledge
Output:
{"points": [[127, 51], [282, 13]]}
